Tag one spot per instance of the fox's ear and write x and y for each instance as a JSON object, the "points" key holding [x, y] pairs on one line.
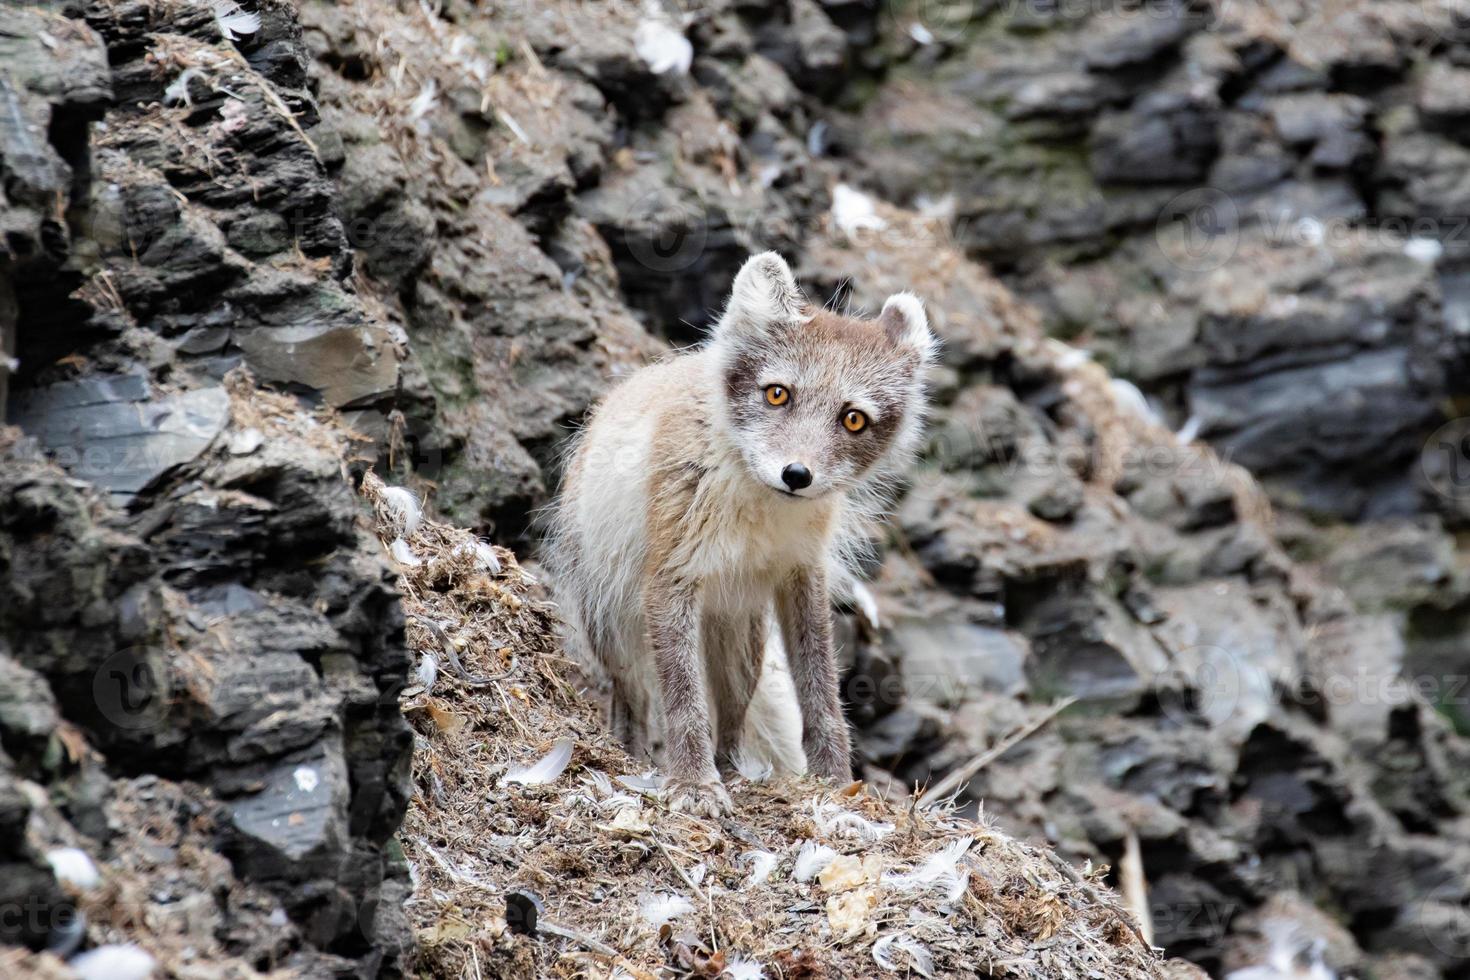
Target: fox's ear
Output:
{"points": [[904, 322], [764, 295]]}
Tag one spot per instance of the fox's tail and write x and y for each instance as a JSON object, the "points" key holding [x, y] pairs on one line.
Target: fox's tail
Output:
{"points": [[772, 734]]}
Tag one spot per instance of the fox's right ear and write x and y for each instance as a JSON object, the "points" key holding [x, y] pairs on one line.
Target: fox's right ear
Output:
{"points": [[765, 295]]}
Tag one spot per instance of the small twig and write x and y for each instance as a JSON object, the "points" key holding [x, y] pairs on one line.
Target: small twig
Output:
{"points": [[680, 871], [580, 938], [1135, 886], [951, 783], [473, 680], [1092, 894]]}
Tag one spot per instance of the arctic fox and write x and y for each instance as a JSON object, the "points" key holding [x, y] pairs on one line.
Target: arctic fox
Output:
{"points": [[704, 515]]}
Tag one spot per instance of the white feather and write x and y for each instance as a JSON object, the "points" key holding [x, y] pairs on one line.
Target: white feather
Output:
{"points": [[657, 909], [833, 821], [853, 211], [938, 868], [177, 92], [650, 782], [662, 48], [403, 554], [753, 769], [811, 859], [73, 866], [428, 671], [1130, 398], [1189, 432], [1069, 358], [740, 968], [115, 962], [233, 22], [485, 558], [425, 101], [920, 959], [1425, 250], [762, 863], [402, 509], [544, 770]]}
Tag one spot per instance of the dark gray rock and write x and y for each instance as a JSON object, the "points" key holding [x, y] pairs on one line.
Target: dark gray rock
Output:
{"points": [[110, 431]]}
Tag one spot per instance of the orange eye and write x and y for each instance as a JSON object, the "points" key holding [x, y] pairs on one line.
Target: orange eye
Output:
{"points": [[854, 421], [777, 395]]}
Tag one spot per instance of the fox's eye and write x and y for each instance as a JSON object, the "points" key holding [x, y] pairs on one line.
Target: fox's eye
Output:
{"points": [[777, 395], [854, 421]]}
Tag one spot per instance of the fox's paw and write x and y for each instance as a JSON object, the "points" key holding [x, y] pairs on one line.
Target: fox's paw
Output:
{"points": [[708, 798]]}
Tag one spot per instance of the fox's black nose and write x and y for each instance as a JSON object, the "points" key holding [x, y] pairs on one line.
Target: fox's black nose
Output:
{"points": [[796, 476]]}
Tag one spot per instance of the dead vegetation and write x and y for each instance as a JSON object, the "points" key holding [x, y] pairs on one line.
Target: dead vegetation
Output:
{"points": [[518, 788]]}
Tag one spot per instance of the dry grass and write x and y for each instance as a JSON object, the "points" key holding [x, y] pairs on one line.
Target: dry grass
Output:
{"points": [[593, 847]]}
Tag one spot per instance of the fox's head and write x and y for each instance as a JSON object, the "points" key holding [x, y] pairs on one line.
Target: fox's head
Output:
{"points": [[818, 402]]}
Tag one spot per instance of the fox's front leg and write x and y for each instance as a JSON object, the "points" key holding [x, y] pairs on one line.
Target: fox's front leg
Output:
{"points": [[671, 609], [805, 612]]}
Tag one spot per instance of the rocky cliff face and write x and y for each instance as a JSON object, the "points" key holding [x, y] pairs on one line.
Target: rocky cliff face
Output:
{"points": [[449, 228]]}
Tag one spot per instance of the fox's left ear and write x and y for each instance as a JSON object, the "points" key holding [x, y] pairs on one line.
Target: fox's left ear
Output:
{"points": [[765, 295], [904, 322]]}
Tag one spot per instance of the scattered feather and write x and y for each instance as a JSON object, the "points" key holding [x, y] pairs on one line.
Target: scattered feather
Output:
{"points": [[921, 34], [1425, 250], [1130, 398], [662, 48], [544, 770], [428, 671], [816, 138], [73, 866], [762, 863], [485, 558], [1069, 358], [811, 860], [939, 868], [853, 211], [233, 22], [740, 968], [1190, 431], [650, 782], [177, 92], [402, 510], [920, 960], [425, 101], [114, 962], [403, 554], [658, 909], [833, 821]]}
